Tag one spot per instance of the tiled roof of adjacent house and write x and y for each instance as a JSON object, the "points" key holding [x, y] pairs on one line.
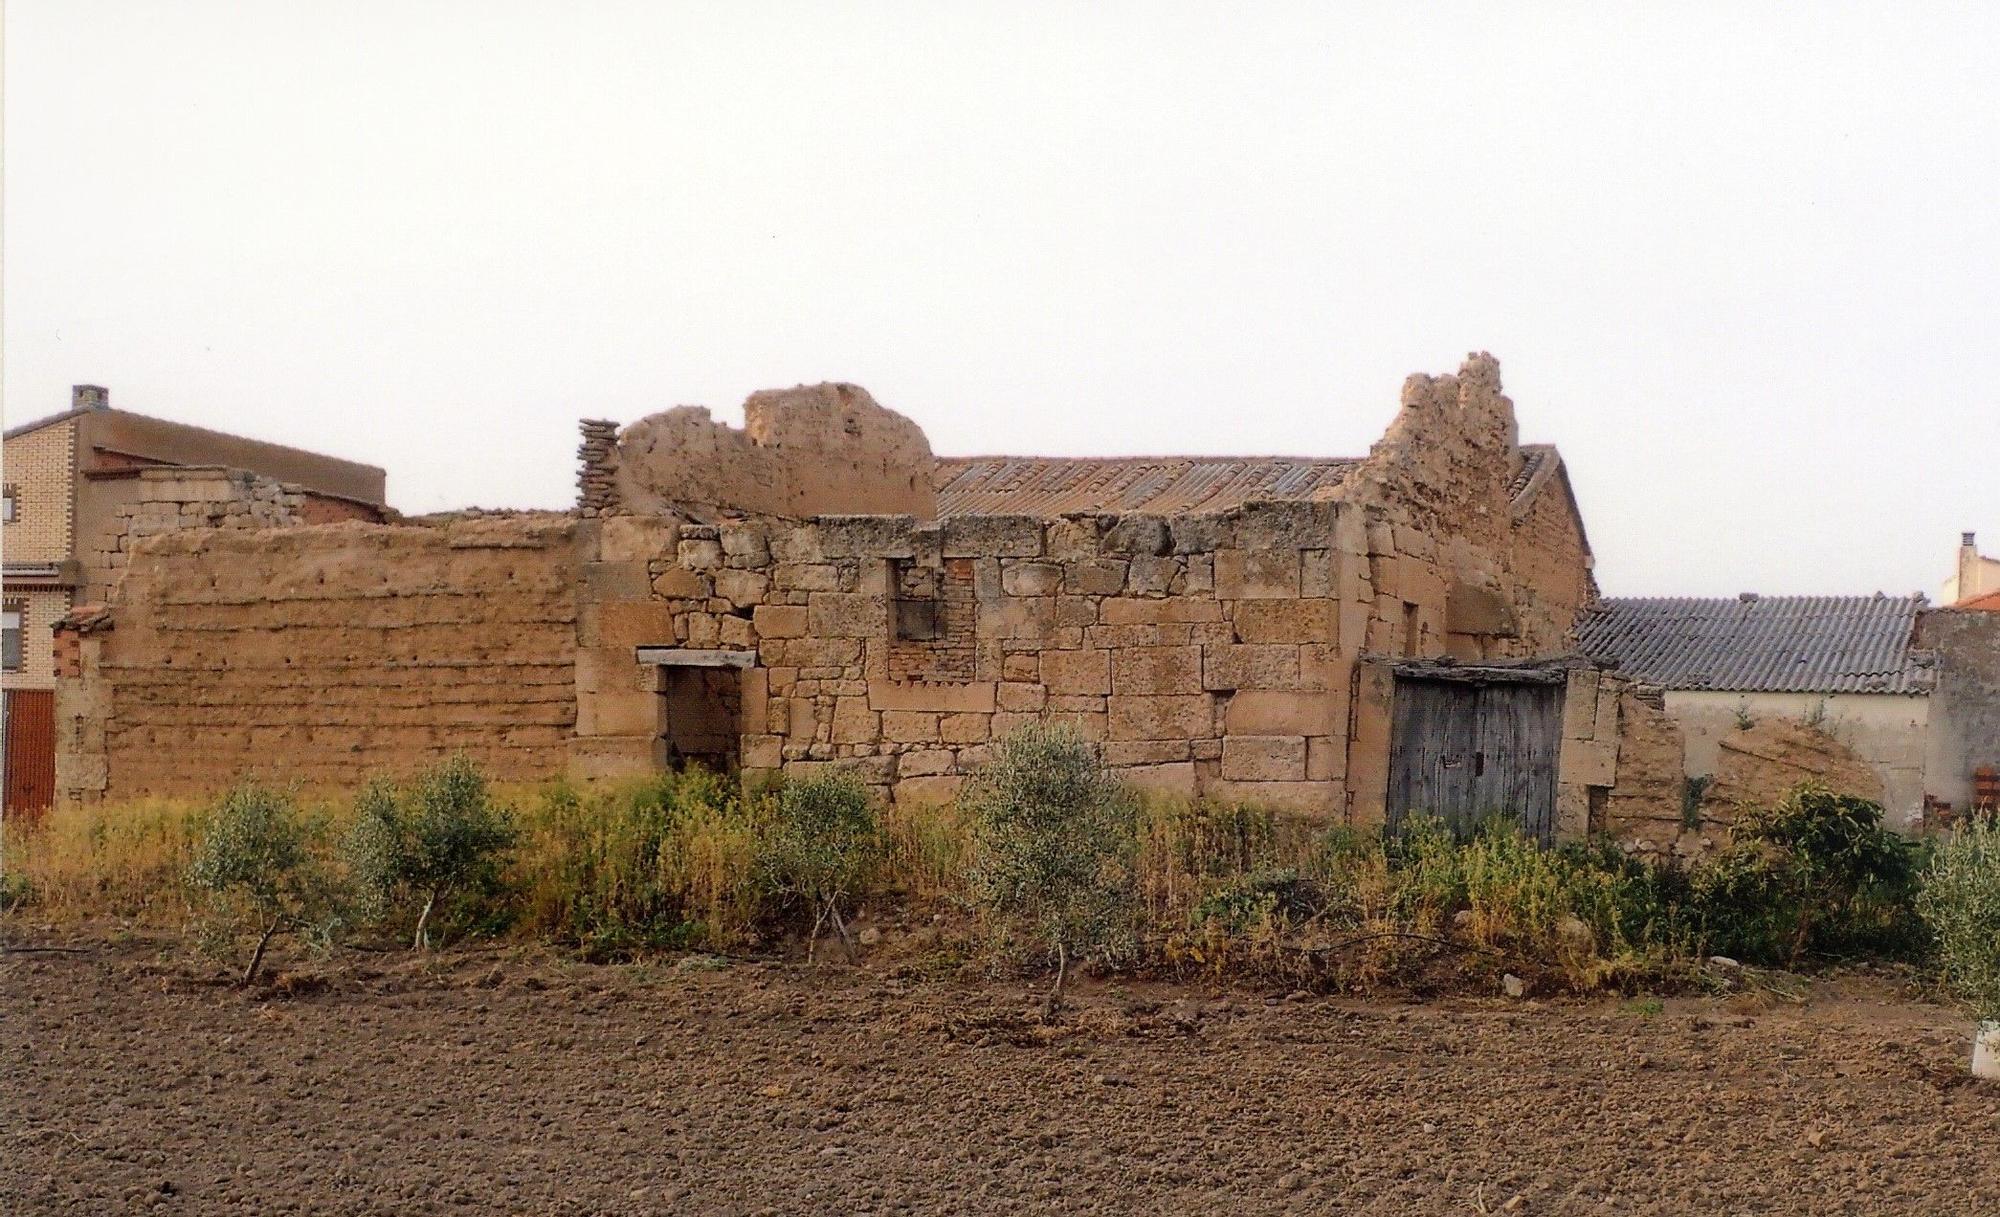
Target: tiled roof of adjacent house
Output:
{"points": [[1050, 486], [1762, 644], [1989, 603]]}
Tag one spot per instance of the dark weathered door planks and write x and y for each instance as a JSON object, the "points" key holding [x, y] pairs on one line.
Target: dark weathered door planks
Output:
{"points": [[1463, 750]]}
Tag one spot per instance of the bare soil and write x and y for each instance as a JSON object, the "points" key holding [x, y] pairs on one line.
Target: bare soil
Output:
{"points": [[506, 1081]]}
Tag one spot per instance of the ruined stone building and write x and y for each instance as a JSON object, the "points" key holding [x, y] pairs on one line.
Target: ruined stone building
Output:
{"points": [[82, 487], [1348, 637]]}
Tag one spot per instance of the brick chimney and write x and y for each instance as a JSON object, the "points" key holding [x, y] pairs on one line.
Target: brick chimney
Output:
{"points": [[89, 397]]}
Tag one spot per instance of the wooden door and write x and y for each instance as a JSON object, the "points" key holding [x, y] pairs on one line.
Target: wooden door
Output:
{"points": [[30, 751], [1464, 750]]}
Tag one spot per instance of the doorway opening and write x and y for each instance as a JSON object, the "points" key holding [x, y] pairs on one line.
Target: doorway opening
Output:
{"points": [[1476, 747], [699, 711]]}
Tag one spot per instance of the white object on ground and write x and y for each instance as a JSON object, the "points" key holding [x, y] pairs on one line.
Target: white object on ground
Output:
{"points": [[1986, 1051]]}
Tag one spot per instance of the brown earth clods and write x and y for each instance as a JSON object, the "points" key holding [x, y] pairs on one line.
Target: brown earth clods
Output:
{"points": [[498, 1081]]}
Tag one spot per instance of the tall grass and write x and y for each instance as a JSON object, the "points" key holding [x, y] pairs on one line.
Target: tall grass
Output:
{"points": [[107, 860], [685, 860]]}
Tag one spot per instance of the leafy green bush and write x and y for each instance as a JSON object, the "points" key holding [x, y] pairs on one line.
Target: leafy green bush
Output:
{"points": [[1815, 872], [822, 847], [1960, 903], [1274, 895], [254, 867], [442, 839], [1052, 846]]}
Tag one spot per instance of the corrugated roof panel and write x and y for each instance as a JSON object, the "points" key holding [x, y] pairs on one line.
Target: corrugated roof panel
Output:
{"points": [[1793, 644], [1053, 486], [1163, 485]]}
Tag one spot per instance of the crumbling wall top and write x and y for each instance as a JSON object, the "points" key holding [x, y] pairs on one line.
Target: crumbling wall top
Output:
{"points": [[811, 450]]}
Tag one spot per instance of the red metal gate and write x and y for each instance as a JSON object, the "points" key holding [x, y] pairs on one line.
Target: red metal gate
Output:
{"points": [[31, 751]]}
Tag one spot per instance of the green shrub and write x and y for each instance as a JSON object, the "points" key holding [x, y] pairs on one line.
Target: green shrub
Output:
{"points": [[1815, 872], [1052, 846], [442, 839], [822, 847], [254, 868], [1274, 896], [1960, 903]]}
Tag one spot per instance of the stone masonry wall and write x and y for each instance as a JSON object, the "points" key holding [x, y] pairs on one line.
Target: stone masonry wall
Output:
{"points": [[325, 654], [154, 501]]}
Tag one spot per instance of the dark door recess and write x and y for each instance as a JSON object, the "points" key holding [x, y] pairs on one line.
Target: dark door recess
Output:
{"points": [[1467, 749], [699, 712]]}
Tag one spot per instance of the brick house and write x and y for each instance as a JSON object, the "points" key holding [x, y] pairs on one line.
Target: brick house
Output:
{"points": [[1354, 638], [72, 483]]}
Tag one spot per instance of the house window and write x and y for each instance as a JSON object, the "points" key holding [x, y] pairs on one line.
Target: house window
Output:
{"points": [[10, 499], [10, 638]]}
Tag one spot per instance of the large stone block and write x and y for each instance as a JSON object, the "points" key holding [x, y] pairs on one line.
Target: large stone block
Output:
{"points": [[1326, 758], [1077, 671], [1183, 717], [680, 583], [616, 580], [1135, 535], [637, 538], [1580, 704], [742, 588], [1264, 758], [1094, 576], [626, 623], [1288, 621], [854, 722], [910, 726], [1123, 753], [859, 537], [974, 697], [806, 576], [1285, 524], [611, 670], [991, 537], [623, 712], [603, 757], [1121, 610], [847, 615], [1262, 712], [1030, 578], [1257, 574], [1156, 670], [780, 620], [1250, 666], [1021, 696], [1589, 762]]}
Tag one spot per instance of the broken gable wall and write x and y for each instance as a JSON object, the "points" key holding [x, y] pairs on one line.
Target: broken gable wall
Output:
{"points": [[801, 452]]}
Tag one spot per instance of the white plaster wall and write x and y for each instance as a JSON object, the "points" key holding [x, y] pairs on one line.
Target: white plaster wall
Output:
{"points": [[1887, 730]]}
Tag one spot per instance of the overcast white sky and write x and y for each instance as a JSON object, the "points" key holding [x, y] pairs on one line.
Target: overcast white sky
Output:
{"points": [[1741, 262]]}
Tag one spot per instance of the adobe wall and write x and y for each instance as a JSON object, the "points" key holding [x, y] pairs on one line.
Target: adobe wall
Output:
{"points": [[1867, 744], [811, 450], [324, 654]]}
